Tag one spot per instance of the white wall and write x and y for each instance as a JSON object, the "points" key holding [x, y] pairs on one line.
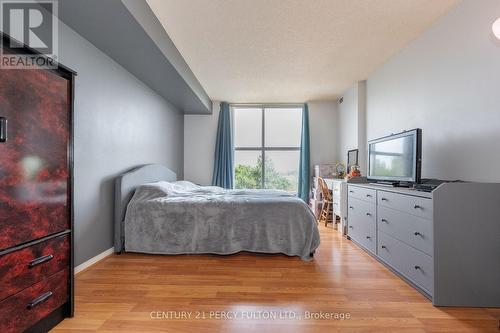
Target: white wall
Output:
{"points": [[199, 146], [200, 132], [351, 133], [446, 82], [347, 137], [322, 131]]}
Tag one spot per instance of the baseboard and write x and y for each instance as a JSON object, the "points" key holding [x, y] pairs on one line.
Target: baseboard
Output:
{"points": [[94, 260]]}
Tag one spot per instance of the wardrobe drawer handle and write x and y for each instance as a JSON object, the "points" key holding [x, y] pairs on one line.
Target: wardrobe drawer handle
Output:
{"points": [[384, 220], [417, 267], [39, 300], [383, 246], [417, 233], [368, 195], [351, 207], [41, 260], [368, 214], [384, 199], [350, 226], [416, 206], [351, 191], [368, 237]]}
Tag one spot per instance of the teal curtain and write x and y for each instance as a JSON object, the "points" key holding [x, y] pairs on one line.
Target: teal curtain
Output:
{"points": [[304, 165], [223, 162]]}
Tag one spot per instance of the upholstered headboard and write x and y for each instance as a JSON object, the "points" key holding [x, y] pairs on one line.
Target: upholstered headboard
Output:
{"points": [[125, 186]]}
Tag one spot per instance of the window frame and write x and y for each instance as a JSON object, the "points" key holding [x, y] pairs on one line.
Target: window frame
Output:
{"points": [[262, 148]]}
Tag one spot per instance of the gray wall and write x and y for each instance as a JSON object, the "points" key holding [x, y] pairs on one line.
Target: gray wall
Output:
{"points": [[446, 82], [119, 123]]}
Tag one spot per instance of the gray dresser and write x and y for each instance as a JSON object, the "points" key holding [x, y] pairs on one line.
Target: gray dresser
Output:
{"points": [[445, 243]]}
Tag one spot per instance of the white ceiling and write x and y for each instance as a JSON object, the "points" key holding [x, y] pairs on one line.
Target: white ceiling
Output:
{"points": [[290, 50]]}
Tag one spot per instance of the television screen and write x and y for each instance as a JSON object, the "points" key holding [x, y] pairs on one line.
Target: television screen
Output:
{"points": [[395, 158]]}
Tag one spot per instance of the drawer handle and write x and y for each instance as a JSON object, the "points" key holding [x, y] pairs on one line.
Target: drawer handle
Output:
{"points": [[368, 195], [368, 214], [384, 199], [417, 267], [416, 206], [351, 207], [384, 220], [41, 260], [417, 233], [350, 226], [3, 129], [368, 237], [39, 300], [351, 191], [383, 246]]}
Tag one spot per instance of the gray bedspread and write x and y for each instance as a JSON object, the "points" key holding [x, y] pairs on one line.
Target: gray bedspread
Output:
{"points": [[183, 218]]}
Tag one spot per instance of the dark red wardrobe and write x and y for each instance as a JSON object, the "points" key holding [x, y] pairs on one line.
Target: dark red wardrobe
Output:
{"points": [[36, 173]]}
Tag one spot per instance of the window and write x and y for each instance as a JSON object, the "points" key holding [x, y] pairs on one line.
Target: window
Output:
{"points": [[267, 146]]}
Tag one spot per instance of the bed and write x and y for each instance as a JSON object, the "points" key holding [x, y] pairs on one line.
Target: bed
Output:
{"points": [[155, 213]]}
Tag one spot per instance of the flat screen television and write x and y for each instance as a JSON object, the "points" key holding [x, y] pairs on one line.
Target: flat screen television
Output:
{"points": [[396, 158]]}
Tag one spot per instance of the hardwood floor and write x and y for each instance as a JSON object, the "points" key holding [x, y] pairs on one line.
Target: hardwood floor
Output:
{"points": [[123, 293]]}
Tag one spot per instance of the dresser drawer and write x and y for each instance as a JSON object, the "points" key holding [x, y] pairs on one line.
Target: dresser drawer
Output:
{"points": [[362, 193], [415, 265], [363, 236], [366, 239], [410, 229], [336, 187], [362, 210], [22, 268], [329, 183], [362, 223], [336, 208], [21, 311], [417, 206]]}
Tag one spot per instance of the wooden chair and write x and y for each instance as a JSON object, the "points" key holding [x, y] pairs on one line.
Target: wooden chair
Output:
{"points": [[326, 214]]}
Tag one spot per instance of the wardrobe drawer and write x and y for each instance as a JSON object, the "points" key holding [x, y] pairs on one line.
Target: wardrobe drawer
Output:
{"points": [[21, 311], [25, 224], [362, 193], [421, 207], [22, 268], [410, 229], [415, 265]]}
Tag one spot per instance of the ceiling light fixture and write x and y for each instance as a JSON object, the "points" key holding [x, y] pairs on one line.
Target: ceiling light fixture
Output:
{"points": [[496, 28]]}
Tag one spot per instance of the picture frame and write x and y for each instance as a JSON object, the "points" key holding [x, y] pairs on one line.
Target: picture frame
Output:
{"points": [[352, 158]]}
